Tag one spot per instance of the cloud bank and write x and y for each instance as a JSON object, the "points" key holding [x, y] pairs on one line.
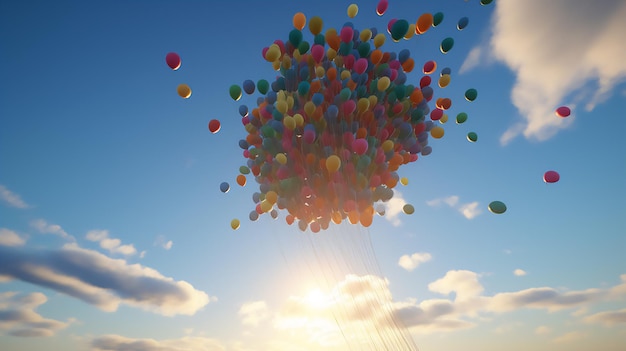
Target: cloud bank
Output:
{"points": [[101, 281], [18, 316]]}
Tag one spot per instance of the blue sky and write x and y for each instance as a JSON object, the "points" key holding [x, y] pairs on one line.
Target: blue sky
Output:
{"points": [[114, 233]]}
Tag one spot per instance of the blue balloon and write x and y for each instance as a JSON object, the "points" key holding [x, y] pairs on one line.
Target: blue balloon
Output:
{"points": [[248, 86], [243, 110], [462, 23], [224, 187]]}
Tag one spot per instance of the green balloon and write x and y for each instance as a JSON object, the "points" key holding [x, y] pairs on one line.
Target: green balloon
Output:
{"points": [[471, 136], [399, 29], [244, 170], [304, 47], [295, 37], [263, 86], [497, 207], [461, 118], [446, 45], [235, 92], [437, 18], [471, 94], [485, 2]]}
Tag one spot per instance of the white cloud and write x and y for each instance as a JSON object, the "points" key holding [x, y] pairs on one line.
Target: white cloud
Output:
{"points": [[112, 245], [46, 228], [411, 262], [608, 318], [543, 330], [10, 238], [18, 316], [464, 283], [394, 208], [468, 210], [473, 59], [519, 272], [122, 343], [570, 337], [12, 199], [253, 313], [102, 281], [556, 62], [164, 243]]}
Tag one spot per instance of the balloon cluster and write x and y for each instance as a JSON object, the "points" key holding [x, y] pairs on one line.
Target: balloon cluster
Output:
{"points": [[328, 136]]}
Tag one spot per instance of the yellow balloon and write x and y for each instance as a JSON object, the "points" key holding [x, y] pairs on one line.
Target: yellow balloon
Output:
{"points": [[366, 35], [408, 209], [320, 72], [281, 158], [289, 122], [444, 80], [333, 162], [379, 40], [383, 83], [271, 197], [404, 181], [443, 119], [331, 53], [315, 25], [299, 119], [411, 32], [266, 206], [373, 100], [353, 9], [309, 108], [387, 145], [235, 224], [345, 74], [184, 91], [282, 106], [363, 104], [436, 132], [273, 53]]}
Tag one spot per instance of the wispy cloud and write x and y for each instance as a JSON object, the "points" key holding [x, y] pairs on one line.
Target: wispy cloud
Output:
{"points": [[18, 316], [113, 245], [253, 313], [519, 272], [11, 199], [557, 63], [608, 318], [119, 343], [163, 242], [102, 281], [10, 238], [47, 228], [411, 262], [468, 210], [569, 337]]}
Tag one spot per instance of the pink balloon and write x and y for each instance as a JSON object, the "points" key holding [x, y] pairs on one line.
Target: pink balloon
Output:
{"points": [[346, 34], [361, 65], [551, 177], [563, 111], [317, 51], [349, 107], [173, 60], [360, 146], [381, 8]]}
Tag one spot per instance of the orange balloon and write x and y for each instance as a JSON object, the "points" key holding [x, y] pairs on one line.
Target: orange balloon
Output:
{"points": [[299, 20], [241, 179], [424, 22]]}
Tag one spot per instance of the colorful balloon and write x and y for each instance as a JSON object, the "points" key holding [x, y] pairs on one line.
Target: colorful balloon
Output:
{"points": [[471, 94], [381, 8], [563, 111], [353, 9], [463, 22], [235, 92], [235, 224], [214, 126], [446, 45], [224, 187], [173, 60], [408, 209], [184, 91], [472, 137], [551, 177], [497, 207]]}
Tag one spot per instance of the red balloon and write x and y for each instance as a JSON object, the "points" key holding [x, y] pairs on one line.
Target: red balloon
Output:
{"points": [[551, 177], [214, 126], [563, 111], [173, 60]]}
